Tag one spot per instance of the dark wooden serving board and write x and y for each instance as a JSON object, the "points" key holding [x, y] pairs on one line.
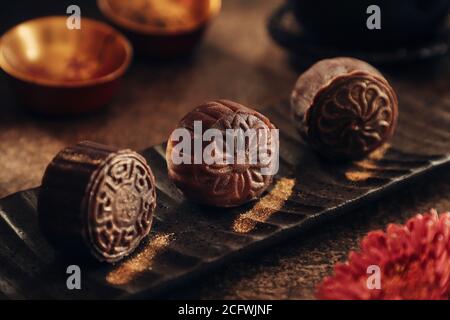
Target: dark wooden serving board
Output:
{"points": [[189, 240]]}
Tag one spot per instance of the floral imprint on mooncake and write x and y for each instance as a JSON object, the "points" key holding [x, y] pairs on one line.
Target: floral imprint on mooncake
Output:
{"points": [[353, 116], [228, 182]]}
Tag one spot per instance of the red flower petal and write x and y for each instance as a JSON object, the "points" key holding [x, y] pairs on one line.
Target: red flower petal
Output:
{"points": [[414, 263]]}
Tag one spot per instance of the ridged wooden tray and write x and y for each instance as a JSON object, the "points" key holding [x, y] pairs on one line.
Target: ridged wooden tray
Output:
{"points": [[189, 240]]}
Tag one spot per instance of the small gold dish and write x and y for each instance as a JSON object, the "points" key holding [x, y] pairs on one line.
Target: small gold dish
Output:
{"points": [[57, 70], [161, 28]]}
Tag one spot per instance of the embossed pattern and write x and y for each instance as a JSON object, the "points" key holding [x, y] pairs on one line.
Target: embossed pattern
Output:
{"points": [[344, 108], [121, 204], [354, 116], [97, 200], [233, 181]]}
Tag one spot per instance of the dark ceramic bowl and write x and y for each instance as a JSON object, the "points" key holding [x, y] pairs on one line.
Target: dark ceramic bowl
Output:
{"points": [[344, 22]]}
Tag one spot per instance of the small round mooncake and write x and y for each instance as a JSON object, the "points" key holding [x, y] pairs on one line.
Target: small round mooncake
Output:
{"points": [[230, 183], [97, 200], [344, 108]]}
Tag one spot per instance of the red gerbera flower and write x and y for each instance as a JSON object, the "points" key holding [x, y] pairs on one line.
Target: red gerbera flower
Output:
{"points": [[412, 262]]}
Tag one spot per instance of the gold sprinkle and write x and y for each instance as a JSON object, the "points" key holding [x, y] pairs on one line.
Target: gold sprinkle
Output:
{"points": [[265, 207], [368, 163], [380, 152], [358, 175], [143, 261]]}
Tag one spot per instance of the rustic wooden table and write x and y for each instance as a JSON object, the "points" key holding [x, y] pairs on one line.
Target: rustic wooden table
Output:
{"points": [[237, 61]]}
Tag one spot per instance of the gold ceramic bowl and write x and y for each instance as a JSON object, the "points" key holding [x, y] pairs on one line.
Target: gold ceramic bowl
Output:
{"points": [[161, 28], [55, 70]]}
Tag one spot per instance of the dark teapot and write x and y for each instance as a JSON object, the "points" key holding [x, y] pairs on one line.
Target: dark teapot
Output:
{"points": [[344, 23]]}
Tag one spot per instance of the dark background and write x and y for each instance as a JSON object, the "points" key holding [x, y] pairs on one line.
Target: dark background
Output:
{"points": [[238, 61]]}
